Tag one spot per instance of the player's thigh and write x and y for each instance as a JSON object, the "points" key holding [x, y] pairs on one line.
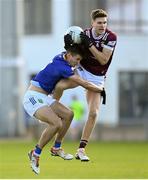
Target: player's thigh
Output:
{"points": [[93, 100], [46, 114], [62, 111], [65, 84]]}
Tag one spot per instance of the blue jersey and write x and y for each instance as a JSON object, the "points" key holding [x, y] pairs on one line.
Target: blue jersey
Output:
{"points": [[53, 72]]}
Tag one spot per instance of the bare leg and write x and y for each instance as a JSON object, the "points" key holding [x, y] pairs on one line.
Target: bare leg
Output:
{"points": [[66, 115], [46, 114], [93, 100], [46, 136]]}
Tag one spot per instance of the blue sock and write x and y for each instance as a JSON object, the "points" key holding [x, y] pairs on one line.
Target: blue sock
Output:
{"points": [[37, 150], [57, 144]]}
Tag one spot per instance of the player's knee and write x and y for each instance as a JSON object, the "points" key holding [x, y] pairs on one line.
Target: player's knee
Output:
{"points": [[93, 114], [59, 125]]}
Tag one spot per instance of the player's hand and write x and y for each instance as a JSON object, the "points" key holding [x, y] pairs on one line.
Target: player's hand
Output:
{"points": [[86, 40], [68, 41]]}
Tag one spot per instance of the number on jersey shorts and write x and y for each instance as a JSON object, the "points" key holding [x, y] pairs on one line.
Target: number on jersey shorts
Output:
{"points": [[34, 100], [83, 73]]}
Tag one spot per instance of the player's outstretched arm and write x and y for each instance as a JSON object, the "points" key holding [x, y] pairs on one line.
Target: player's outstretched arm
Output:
{"points": [[87, 85]]}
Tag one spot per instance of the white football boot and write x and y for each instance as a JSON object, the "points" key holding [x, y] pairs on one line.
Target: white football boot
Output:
{"points": [[34, 162], [60, 152], [81, 155]]}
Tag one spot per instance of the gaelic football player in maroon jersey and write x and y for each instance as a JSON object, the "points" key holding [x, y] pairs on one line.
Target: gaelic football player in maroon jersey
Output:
{"points": [[99, 43]]}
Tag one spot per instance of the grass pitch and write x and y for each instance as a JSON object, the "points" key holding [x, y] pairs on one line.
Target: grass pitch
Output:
{"points": [[108, 160]]}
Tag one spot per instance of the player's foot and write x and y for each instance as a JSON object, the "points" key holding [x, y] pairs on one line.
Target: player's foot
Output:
{"points": [[34, 162], [60, 152], [81, 155]]}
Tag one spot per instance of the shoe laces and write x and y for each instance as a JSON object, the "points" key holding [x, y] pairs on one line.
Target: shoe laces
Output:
{"points": [[61, 151], [35, 159], [58, 151], [81, 150]]}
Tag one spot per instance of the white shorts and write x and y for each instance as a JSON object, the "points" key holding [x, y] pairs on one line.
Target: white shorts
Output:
{"points": [[34, 100], [83, 73]]}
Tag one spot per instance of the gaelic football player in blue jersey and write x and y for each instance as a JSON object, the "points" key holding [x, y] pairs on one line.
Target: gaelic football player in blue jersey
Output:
{"points": [[39, 103]]}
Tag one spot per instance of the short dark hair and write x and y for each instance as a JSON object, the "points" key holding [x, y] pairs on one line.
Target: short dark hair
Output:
{"points": [[96, 13], [75, 49]]}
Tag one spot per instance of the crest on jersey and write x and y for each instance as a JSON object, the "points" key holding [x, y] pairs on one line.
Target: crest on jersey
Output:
{"points": [[97, 43]]}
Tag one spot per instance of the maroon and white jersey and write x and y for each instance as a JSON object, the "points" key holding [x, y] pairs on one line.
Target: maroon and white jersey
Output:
{"points": [[106, 40]]}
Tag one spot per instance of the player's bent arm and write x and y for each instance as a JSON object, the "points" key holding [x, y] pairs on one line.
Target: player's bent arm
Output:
{"points": [[103, 57], [62, 85], [88, 85]]}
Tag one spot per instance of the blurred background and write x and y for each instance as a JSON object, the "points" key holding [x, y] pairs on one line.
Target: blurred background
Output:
{"points": [[31, 34]]}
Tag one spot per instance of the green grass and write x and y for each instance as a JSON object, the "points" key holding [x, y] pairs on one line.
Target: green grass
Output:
{"points": [[108, 160]]}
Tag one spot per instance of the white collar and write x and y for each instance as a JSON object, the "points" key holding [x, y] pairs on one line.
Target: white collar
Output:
{"points": [[95, 36]]}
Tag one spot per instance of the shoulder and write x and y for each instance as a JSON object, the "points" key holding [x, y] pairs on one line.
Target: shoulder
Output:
{"points": [[58, 57], [112, 36], [61, 63]]}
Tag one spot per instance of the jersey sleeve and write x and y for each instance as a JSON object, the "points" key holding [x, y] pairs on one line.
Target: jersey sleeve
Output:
{"points": [[111, 42], [67, 72]]}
